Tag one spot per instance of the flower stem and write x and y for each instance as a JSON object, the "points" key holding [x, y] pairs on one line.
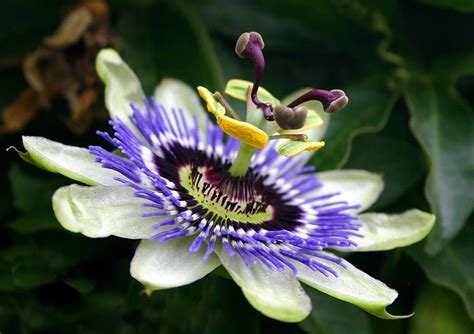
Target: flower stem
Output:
{"points": [[242, 162]]}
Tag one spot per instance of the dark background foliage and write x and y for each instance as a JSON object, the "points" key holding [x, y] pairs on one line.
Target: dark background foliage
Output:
{"points": [[408, 67]]}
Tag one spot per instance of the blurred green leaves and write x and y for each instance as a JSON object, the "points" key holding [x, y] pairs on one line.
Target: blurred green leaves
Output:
{"points": [[31, 263], [37, 21], [370, 104], [332, 316], [399, 174], [32, 191], [176, 45], [39, 254], [438, 312], [444, 125], [398, 61], [453, 267], [460, 5]]}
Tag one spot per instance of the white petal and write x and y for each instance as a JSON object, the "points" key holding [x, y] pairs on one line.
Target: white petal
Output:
{"points": [[384, 232], [74, 162], [278, 295], [100, 211], [122, 86], [172, 93], [170, 264], [352, 285], [357, 187]]}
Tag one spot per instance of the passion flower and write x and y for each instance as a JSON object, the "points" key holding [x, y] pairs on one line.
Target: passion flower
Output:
{"points": [[199, 200]]}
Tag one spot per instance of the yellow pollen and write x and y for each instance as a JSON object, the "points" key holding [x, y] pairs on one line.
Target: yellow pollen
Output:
{"points": [[245, 132]]}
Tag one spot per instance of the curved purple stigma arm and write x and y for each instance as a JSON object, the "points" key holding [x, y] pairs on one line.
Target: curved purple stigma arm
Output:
{"points": [[332, 101], [255, 55], [250, 45]]}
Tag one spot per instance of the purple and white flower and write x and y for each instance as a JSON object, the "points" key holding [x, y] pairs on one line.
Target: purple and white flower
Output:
{"points": [[271, 224]]}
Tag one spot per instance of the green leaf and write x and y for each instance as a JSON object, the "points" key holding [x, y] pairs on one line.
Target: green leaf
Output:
{"points": [[80, 283], [238, 89], [443, 123], [168, 39], [170, 264], [352, 285], [56, 313], [122, 86], [453, 267], [19, 39], [380, 153], [384, 232], [38, 219], [455, 65], [99, 212], [29, 188], [287, 25], [201, 35], [32, 190], [368, 110], [465, 6], [201, 309], [332, 316], [30, 263], [439, 311], [77, 163], [277, 295]]}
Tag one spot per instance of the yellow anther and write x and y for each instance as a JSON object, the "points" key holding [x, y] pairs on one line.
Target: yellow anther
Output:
{"points": [[291, 148], [245, 132], [213, 106]]}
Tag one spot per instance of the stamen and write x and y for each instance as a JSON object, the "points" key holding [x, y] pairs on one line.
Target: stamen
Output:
{"points": [[245, 132], [218, 96], [332, 101], [296, 137]]}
